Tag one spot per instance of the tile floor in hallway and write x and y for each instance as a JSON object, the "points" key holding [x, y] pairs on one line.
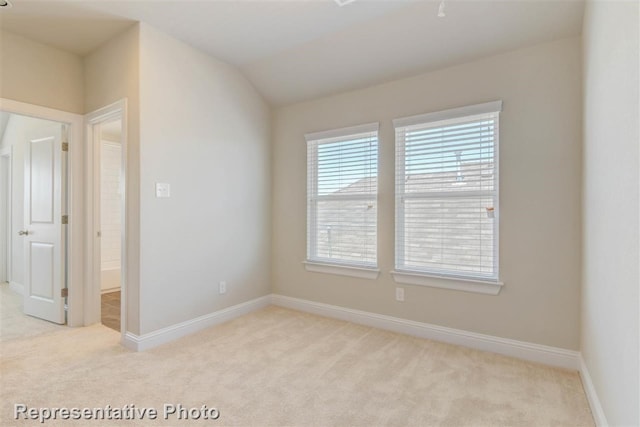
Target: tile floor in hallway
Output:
{"points": [[110, 306]]}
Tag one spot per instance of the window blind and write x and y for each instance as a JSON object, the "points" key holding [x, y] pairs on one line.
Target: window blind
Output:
{"points": [[342, 188], [447, 193]]}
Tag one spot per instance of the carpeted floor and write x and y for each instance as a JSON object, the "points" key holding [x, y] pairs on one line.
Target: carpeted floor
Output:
{"points": [[282, 367], [13, 323]]}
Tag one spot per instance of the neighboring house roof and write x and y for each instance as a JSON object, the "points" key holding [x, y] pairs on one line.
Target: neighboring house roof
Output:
{"points": [[472, 176], [347, 228]]}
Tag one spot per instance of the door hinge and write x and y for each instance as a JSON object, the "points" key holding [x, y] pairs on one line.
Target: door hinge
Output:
{"points": [[65, 146], [64, 292], [65, 219]]}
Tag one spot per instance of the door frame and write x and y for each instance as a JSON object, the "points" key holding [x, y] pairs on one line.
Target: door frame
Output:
{"points": [[7, 215], [117, 110], [75, 200]]}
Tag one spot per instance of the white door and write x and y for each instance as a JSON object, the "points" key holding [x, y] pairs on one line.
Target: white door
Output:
{"points": [[44, 262]]}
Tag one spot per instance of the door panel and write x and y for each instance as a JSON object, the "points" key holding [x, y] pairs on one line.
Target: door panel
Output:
{"points": [[42, 180], [44, 264], [42, 270]]}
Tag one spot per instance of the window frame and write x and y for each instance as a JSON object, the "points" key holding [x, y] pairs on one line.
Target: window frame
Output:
{"points": [[335, 266], [472, 282]]}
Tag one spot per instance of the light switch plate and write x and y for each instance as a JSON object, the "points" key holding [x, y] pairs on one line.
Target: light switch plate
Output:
{"points": [[163, 190]]}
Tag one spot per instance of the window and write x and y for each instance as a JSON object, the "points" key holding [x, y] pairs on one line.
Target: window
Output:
{"points": [[342, 190], [447, 196]]}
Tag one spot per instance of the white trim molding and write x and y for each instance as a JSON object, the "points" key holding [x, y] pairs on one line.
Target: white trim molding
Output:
{"points": [[453, 113], [93, 143], [7, 221], [592, 396], [538, 353], [75, 203], [162, 336], [337, 133], [342, 270], [456, 283]]}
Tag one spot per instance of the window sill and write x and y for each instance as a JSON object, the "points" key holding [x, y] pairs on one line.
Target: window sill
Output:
{"points": [[479, 286], [342, 270]]}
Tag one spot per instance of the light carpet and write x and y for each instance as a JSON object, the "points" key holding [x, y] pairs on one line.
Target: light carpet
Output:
{"points": [[13, 323], [282, 367]]}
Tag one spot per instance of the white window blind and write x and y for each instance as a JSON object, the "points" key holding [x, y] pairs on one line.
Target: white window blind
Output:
{"points": [[342, 189], [447, 193]]}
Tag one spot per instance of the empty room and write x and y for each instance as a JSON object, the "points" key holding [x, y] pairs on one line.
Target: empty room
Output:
{"points": [[320, 212]]}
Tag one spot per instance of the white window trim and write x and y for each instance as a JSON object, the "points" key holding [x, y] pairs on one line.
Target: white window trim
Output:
{"points": [[454, 113], [338, 133], [476, 284], [342, 270], [458, 283]]}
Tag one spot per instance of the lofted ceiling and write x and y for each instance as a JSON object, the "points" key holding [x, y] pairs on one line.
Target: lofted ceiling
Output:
{"points": [[294, 50]]}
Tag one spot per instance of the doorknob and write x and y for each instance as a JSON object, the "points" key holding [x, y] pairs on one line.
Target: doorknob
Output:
{"points": [[23, 233]]}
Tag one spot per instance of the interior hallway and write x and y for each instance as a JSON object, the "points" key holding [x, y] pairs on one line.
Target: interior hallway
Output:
{"points": [[110, 310]]}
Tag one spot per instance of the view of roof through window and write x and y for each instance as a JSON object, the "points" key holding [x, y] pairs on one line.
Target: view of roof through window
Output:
{"points": [[341, 165]]}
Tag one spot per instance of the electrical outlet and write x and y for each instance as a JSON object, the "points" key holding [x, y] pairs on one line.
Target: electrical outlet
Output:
{"points": [[223, 288], [163, 190], [400, 294]]}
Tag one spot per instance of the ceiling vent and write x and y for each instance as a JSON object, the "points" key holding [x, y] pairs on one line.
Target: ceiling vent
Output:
{"points": [[340, 2]]}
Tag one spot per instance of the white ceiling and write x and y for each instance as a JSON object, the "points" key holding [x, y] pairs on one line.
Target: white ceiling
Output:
{"points": [[301, 49], [69, 26]]}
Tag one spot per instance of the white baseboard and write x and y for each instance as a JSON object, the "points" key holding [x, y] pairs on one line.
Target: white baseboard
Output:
{"points": [[592, 396], [538, 353], [110, 290], [173, 332], [552, 356], [16, 287]]}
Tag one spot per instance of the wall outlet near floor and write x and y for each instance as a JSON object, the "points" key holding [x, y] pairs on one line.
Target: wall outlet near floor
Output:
{"points": [[222, 288], [399, 294]]}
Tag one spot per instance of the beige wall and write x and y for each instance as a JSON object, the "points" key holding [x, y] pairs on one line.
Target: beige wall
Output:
{"points": [[610, 331], [38, 74], [205, 131], [540, 169], [112, 73]]}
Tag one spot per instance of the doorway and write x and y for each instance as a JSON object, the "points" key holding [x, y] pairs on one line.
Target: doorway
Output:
{"points": [[71, 250], [106, 155], [111, 190], [33, 219]]}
